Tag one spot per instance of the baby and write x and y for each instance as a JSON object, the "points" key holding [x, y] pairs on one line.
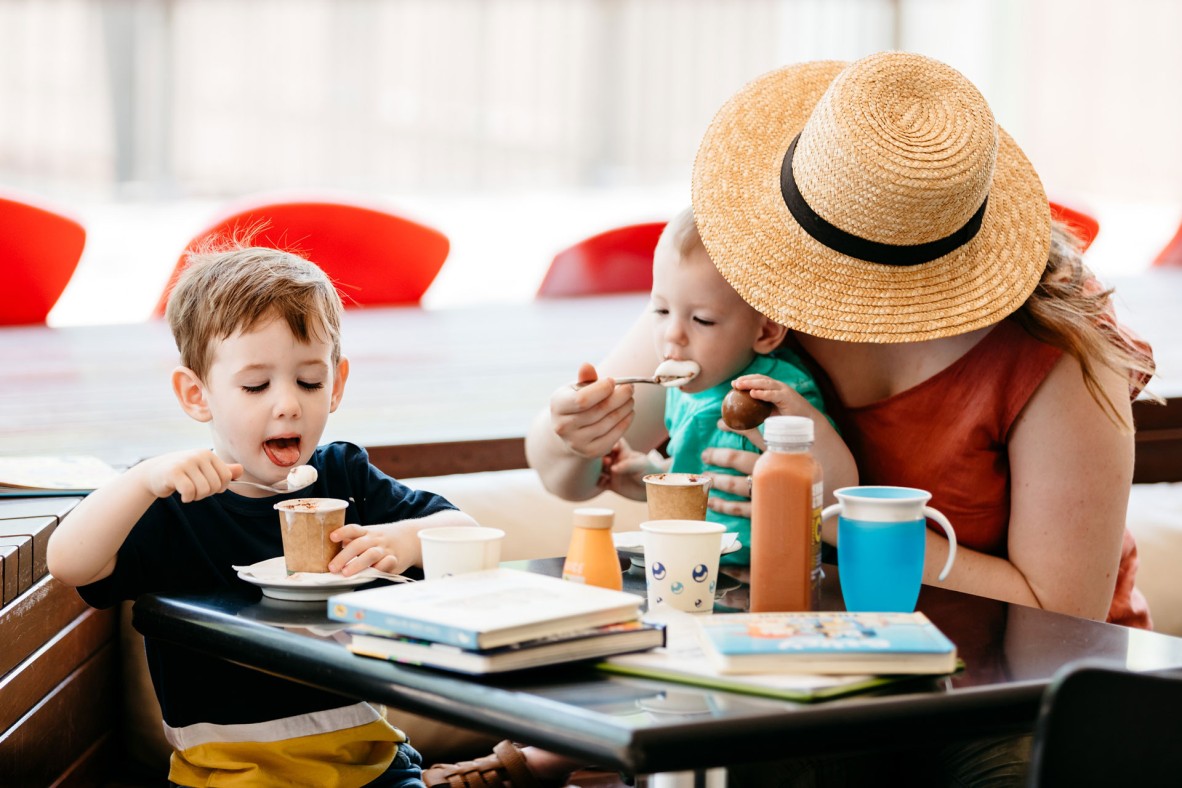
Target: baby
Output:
{"points": [[697, 317]]}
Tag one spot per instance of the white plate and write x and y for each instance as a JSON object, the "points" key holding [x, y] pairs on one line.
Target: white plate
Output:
{"points": [[271, 576], [631, 544]]}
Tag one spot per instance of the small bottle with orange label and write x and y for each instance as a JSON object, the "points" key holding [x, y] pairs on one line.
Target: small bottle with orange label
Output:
{"points": [[592, 557]]}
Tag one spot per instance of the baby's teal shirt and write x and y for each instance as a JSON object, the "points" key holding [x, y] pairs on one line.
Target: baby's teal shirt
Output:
{"points": [[692, 422]]}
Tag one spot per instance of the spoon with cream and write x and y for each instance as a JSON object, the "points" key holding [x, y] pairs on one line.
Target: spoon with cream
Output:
{"points": [[670, 373], [298, 478]]}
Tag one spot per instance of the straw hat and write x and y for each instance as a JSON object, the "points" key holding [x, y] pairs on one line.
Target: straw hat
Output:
{"points": [[876, 201]]}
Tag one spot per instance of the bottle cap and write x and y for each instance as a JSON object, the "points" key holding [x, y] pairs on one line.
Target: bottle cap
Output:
{"points": [[788, 429], [589, 517]]}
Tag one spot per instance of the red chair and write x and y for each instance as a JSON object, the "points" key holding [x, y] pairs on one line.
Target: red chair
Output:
{"points": [[39, 250], [616, 261], [374, 257], [1171, 254], [1084, 226]]}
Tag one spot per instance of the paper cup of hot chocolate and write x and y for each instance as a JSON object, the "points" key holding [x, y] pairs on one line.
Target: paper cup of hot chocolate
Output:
{"points": [[677, 496], [456, 549], [681, 563], [305, 524]]}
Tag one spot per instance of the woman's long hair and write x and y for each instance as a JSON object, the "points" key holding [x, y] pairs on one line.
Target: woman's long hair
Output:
{"points": [[1072, 311]]}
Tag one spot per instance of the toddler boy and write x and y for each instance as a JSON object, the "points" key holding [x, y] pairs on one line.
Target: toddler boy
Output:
{"points": [[258, 332]]}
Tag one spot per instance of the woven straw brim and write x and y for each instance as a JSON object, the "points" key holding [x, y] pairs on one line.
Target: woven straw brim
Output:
{"points": [[795, 280]]}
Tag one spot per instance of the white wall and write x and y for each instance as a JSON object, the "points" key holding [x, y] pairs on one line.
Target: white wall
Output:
{"points": [[526, 123]]}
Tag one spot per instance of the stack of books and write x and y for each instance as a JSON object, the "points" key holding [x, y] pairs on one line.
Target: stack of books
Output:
{"points": [[803, 657], [493, 621]]}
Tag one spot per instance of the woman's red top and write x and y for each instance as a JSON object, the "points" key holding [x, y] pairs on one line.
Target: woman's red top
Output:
{"points": [[949, 435]]}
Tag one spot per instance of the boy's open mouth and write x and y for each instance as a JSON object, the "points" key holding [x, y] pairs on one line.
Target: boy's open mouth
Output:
{"points": [[284, 452]]}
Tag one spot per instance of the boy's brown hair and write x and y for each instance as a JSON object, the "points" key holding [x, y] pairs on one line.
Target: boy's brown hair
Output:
{"points": [[223, 291]]}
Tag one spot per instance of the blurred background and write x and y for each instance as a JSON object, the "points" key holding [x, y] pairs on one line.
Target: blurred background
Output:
{"points": [[517, 127]]}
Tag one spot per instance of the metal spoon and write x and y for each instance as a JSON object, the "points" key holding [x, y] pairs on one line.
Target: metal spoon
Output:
{"points": [[669, 373], [660, 380], [298, 478]]}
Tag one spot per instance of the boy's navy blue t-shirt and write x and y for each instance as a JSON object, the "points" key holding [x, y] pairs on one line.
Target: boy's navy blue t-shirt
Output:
{"points": [[178, 548]]}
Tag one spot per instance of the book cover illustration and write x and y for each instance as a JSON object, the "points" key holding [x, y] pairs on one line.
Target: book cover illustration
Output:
{"points": [[683, 661], [833, 641]]}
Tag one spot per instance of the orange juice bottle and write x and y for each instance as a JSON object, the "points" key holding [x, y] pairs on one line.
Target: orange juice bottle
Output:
{"points": [[786, 492], [592, 557]]}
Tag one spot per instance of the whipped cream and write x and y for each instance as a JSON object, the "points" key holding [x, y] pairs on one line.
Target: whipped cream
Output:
{"points": [[671, 372], [301, 476]]}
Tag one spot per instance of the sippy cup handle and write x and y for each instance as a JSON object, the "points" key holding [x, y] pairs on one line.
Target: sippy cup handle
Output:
{"points": [[933, 514], [928, 512]]}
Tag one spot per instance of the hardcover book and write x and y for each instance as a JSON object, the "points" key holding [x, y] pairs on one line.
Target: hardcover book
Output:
{"points": [[683, 661], [832, 643], [482, 610], [593, 643]]}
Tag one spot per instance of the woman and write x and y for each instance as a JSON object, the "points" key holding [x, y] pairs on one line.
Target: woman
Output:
{"points": [[879, 212]]}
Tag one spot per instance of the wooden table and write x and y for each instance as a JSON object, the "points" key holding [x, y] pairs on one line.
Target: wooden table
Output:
{"points": [[430, 391], [1011, 652]]}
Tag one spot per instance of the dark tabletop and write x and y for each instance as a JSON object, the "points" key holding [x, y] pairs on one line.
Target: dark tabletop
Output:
{"points": [[1010, 653]]}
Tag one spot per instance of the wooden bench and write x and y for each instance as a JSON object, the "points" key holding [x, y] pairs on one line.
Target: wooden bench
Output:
{"points": [[1158, 441], [59, 665]]}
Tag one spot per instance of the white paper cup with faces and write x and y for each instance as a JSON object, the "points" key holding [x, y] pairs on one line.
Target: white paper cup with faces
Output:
{"points": [[681, 563], [454, 550]]}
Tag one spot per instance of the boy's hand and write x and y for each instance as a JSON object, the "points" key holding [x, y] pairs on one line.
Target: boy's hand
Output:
{"points": [[193, 474], [391, 547]]}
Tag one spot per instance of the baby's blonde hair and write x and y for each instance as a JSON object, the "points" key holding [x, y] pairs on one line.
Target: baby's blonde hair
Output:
{"points": [[682, 234], [225, 290]]}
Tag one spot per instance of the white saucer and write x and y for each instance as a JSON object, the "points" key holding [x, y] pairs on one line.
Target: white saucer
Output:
{"points": [[271, 576], [631, 544]]}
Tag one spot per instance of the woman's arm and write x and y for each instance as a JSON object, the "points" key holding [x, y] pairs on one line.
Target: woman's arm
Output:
{"points": [[1071, 470], [567, 441]]}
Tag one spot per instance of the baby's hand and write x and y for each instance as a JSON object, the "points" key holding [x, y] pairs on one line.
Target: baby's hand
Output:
{"points": [[390, 547], [786, 400], [193, 474], [624, 470]]}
